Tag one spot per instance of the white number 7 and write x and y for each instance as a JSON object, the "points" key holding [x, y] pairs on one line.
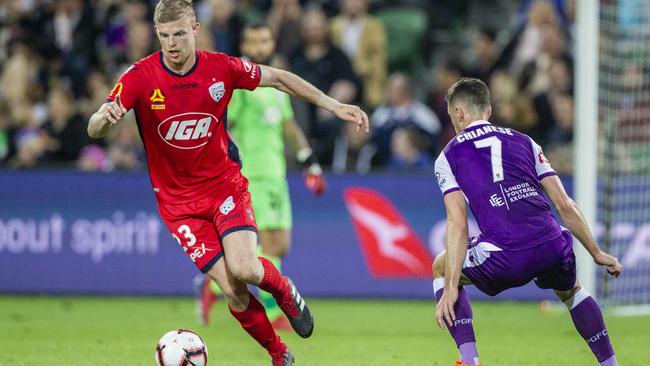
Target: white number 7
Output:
{"points": [[495, 154]]}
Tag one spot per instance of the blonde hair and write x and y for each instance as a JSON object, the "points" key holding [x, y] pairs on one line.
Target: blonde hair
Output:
{"points": [[172, 10]]}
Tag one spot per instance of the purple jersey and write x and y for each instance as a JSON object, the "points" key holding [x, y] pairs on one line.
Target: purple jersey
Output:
{"points": [[498, 170]]}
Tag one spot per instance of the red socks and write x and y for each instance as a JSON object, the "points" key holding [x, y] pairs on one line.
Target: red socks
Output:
{"points": [[257, 324], [273, 282]]}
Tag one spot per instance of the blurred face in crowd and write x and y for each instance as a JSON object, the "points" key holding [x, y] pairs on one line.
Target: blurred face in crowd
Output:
{"points": [[258, 44], [354, 8], [484, 47], [554, 42], [397, 90], [60, 107], [178, 41], [222, 10], [314, 27], [559, 78], [563, 111]]}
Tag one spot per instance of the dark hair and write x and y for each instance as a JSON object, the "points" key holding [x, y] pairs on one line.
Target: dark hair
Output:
{"points": [[253, 26], [472, 92], [488, 32]]}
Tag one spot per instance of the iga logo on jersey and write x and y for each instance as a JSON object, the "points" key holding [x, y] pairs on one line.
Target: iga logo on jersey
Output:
{"points": [[187, 130]]}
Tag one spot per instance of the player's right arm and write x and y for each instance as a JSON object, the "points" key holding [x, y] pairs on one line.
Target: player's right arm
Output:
{"points": [[576, 223], [107, 115], [119, 101]]}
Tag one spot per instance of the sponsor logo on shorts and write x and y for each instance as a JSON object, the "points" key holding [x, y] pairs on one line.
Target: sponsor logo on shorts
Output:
{"points": [[198, 252], [217, 90], [187, 130], [227, 205]]}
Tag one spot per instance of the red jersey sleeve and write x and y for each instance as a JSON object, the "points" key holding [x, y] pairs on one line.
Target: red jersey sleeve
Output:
{"points": [[245, 74], [127, 87]]}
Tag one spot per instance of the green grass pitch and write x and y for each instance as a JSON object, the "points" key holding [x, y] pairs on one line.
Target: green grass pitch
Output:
{"points": [[123, 331]]}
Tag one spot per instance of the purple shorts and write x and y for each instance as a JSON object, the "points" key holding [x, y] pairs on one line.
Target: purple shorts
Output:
{"points": [[493, 269]]}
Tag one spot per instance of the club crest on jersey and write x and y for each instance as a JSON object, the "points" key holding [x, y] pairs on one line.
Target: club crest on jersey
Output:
{"points": [[217, 91], [157, 100], [187, 130]]}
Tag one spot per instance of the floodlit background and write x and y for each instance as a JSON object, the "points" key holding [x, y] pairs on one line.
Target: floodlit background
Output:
{"points": [[89, 274]]}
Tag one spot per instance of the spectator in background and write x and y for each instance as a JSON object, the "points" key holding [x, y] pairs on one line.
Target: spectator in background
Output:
{"points": [[6, 133], [73, 32], [401, 110], [327, 68], [445, 74], [560, 83], [19, 76], [31, 145], [97, 88], [535, 75], [486, 53], [140, 41], [65, 129], [511, 107], [527, 42], [125, 149], [559, 146], [410, 149], [284, 21], [93, 158], [363, 39], [225, 24]]}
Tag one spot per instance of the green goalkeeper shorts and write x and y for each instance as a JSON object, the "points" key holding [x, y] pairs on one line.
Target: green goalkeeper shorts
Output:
{"points": [[271, 203]]}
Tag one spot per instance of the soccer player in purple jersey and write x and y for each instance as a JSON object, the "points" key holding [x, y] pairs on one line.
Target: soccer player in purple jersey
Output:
{"points": [[502, 174]]}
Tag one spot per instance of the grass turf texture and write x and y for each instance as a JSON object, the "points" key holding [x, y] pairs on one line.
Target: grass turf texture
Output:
{"points": [[124, 331]]}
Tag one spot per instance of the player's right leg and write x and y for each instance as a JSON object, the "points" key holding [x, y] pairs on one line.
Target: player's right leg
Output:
{"points": [[560, 275], [462, 331], [250, 313]]}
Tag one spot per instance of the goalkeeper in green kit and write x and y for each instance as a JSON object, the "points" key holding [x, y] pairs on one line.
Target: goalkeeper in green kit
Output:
{"points": [[259, 122]]}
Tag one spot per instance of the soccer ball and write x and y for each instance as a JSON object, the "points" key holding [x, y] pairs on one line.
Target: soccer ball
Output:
{"points": [[181, 348]]}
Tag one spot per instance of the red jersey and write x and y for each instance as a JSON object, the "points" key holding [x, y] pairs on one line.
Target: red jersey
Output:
{"points": [[182, 121]]}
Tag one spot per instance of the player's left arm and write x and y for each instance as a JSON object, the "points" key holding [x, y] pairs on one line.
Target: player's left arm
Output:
{"points": [[296, 86], [314, 179]]}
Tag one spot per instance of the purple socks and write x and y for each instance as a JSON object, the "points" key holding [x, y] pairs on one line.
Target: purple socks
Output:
{"points": [[588, 320], [462, 330]]}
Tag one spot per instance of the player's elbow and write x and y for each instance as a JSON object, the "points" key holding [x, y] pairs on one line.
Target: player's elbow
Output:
{"points": [[565, 207]]}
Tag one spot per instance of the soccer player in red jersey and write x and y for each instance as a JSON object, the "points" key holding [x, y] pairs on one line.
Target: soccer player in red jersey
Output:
{"points": [[180, 96]]}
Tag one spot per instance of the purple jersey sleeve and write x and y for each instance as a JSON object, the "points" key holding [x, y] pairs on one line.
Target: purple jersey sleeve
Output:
{"points": [[444, 175], [542, 165]]}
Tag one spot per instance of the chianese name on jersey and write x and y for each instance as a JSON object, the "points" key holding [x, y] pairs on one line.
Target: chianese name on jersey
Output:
{"points": [[499, 171], [182, 120]]}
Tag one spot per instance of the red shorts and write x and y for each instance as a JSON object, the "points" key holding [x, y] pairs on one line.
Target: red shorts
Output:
{"points": [[199, 226]]}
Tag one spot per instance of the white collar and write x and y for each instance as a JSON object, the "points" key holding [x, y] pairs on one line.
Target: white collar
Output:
{"points": [[477, 123]]}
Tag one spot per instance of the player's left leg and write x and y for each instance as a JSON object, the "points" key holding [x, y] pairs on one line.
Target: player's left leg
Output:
{"points": [[588, 320], [274, 245], [462, 331], [249, 312], [239, 247]]}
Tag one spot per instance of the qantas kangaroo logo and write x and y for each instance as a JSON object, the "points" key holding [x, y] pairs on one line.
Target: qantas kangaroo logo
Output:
{"points": [[391, 247], [187, 130]]}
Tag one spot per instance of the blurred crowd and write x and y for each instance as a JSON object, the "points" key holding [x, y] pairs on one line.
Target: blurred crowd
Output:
{"points": [[60, 58]]}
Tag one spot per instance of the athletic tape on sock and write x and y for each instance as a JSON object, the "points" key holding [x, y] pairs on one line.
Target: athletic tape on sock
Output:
{"points": [[438, 284], [577, 298]]}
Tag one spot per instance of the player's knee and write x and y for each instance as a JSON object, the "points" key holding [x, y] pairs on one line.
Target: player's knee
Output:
{"points": [[246, 271], [439, 266]]}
